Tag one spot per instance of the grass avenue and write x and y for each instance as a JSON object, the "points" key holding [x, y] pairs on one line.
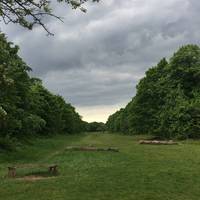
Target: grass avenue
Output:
{"points": [[135, 172]]}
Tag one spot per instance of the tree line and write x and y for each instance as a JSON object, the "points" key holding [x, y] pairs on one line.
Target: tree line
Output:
{"points": [[167, 101], [95, 127], [26, 106]]}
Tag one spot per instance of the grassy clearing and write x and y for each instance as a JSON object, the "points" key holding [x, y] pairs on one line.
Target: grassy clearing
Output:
{"points": [[138, 172]]}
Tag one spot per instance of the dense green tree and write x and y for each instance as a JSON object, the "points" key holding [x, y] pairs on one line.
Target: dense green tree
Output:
{"points": [[95, 127], [14, 83], [167, 99], [26, 107], [149, 99]]}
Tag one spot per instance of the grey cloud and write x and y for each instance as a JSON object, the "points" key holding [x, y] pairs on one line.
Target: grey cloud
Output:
{"points": [[84, 87]]}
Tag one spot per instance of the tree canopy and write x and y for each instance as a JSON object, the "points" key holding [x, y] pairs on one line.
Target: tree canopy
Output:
{"points": [[95, 127], [26, 107], [29, 13], [167, 102]]}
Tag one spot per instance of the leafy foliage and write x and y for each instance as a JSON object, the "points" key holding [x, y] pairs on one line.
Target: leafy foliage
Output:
{"points": [[95, 127], [8, 144], [26, 107], [29, 13], [167, 102]]}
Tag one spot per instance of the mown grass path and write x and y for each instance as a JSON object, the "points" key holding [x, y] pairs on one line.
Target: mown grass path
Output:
{"points": [[137, 172]]}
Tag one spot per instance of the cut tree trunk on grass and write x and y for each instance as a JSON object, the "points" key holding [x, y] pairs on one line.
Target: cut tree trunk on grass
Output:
{"points": [[11, 172], [92, 149], [53, 169], [157, 142]]}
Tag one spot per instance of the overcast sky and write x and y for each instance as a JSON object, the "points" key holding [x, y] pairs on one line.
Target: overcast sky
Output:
{"points": [[96, 59]]}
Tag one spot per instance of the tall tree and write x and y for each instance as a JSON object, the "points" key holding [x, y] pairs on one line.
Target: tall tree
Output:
{"points": [[167, 102], [26, 107]]}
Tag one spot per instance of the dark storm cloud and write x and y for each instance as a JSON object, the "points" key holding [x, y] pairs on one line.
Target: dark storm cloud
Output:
{"points": [[97, 58]]}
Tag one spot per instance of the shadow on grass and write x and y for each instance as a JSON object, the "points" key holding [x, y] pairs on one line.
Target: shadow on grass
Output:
{"points": [[40, 174]]}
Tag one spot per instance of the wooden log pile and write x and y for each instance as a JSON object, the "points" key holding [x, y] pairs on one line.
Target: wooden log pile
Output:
{"points": [[92, 149], [158, 142]]}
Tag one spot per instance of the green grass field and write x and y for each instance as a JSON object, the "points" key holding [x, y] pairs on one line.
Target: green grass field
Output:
{"points": [[137, 172]]}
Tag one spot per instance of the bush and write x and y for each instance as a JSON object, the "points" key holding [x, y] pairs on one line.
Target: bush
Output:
{"points": [[8, 144], [33, 124]]}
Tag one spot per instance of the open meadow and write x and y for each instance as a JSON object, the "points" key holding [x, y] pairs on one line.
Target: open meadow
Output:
{"points": [[137, 172]]}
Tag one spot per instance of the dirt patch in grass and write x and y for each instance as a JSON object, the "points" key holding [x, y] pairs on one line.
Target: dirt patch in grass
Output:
{"points": [[34, 178]]}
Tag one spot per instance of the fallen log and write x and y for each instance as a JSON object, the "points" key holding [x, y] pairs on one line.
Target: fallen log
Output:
{"points": [[158, 142], [92, 149]]}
